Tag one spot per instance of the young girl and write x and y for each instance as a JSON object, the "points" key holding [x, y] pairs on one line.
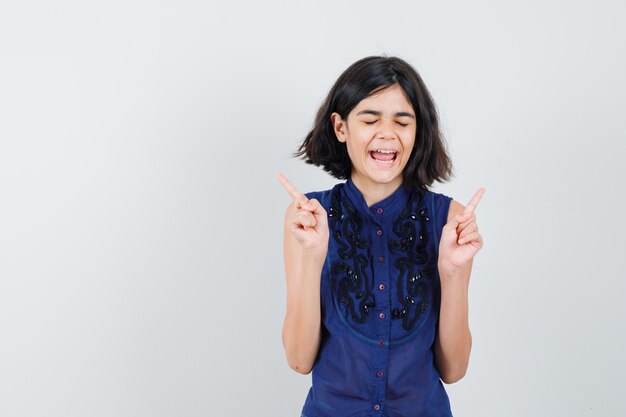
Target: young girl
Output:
{"points": [[378, 267]]}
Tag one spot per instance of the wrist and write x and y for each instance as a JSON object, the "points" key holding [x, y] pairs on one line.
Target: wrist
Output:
{"points": [[454, 275], [314, 257]]}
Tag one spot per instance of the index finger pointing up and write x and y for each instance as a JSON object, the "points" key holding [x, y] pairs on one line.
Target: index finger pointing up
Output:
{"points": [[298, 198], [471, 206]]}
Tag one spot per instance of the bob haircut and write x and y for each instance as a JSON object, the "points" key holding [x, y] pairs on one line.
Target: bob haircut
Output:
{"points": [[429, 160]]}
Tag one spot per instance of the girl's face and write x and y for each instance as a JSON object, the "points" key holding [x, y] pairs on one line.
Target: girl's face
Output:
{"points": [[379, 134]]}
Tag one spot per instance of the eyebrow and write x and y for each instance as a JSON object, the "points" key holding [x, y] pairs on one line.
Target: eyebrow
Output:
{"points": [[377, 113]]}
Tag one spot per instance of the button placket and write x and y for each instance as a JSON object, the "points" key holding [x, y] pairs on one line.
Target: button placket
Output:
{"points": [[381, 268]]}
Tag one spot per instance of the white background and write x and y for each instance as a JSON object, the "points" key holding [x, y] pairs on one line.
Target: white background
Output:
{"points": [[141, 222]]}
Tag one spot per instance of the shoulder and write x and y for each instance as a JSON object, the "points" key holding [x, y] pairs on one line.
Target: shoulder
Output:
{"points": [[323, 196], [455, 208], [446, 205]]}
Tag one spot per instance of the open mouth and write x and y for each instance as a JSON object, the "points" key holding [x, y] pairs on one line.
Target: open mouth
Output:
{"points": [[384, 157]]}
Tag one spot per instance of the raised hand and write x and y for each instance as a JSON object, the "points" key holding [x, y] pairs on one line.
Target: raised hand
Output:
{"points": [[306, 220], [460, 240]]}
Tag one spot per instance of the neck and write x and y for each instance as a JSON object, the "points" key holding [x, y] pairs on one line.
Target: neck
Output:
{"points": [[375, 192]]}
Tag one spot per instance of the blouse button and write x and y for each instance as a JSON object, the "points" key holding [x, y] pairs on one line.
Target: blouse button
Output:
{"points": [[381, 343], [379, 232], [380, 374], [381, 287], [377, 407], [381, 259], [381, 315], [379, 210]]}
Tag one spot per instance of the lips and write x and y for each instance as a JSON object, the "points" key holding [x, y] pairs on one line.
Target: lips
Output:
{"points": [[384, 156]]}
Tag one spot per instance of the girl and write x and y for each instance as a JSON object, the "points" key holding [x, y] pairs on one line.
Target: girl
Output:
{"points": [[378, 267]]}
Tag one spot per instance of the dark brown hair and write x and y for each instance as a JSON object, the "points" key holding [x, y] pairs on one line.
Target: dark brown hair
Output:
{"points": [[429, 160]]}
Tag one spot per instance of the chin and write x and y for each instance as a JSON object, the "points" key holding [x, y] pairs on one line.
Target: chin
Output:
{"points": [[386, 179]]}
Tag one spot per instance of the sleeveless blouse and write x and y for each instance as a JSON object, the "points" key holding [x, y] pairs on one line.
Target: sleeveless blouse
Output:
{"points": [[380, 297]]}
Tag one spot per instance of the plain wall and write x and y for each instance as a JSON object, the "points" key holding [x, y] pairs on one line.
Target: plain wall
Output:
{"points": [[141, 269]]}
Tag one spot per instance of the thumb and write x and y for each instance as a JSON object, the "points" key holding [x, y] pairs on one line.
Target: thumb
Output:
{"points": [[315, 207], [454, 222]]}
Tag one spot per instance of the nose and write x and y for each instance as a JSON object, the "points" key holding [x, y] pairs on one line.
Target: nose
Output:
{"points": [[386, 129]]}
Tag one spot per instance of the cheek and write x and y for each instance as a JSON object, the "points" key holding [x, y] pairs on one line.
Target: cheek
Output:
{"points": [[353, 152], [408, 150], [408, 144], [357, 145]]}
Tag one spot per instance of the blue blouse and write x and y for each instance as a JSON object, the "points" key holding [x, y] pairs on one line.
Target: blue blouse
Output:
{"points": [[380, 298]]}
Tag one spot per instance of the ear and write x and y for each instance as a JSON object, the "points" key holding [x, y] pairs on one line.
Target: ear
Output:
{"points": [[340, 126]]}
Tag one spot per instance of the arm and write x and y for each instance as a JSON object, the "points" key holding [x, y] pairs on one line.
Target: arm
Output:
{"points": [[305, 248], [301, 328], [460, 241]]}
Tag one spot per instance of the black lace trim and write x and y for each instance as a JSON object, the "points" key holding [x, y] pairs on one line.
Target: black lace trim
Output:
{"points": [[412, 290], [354, 285]]}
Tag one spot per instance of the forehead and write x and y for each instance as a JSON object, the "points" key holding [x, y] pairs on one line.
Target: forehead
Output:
{"points": [[393, 97]]}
